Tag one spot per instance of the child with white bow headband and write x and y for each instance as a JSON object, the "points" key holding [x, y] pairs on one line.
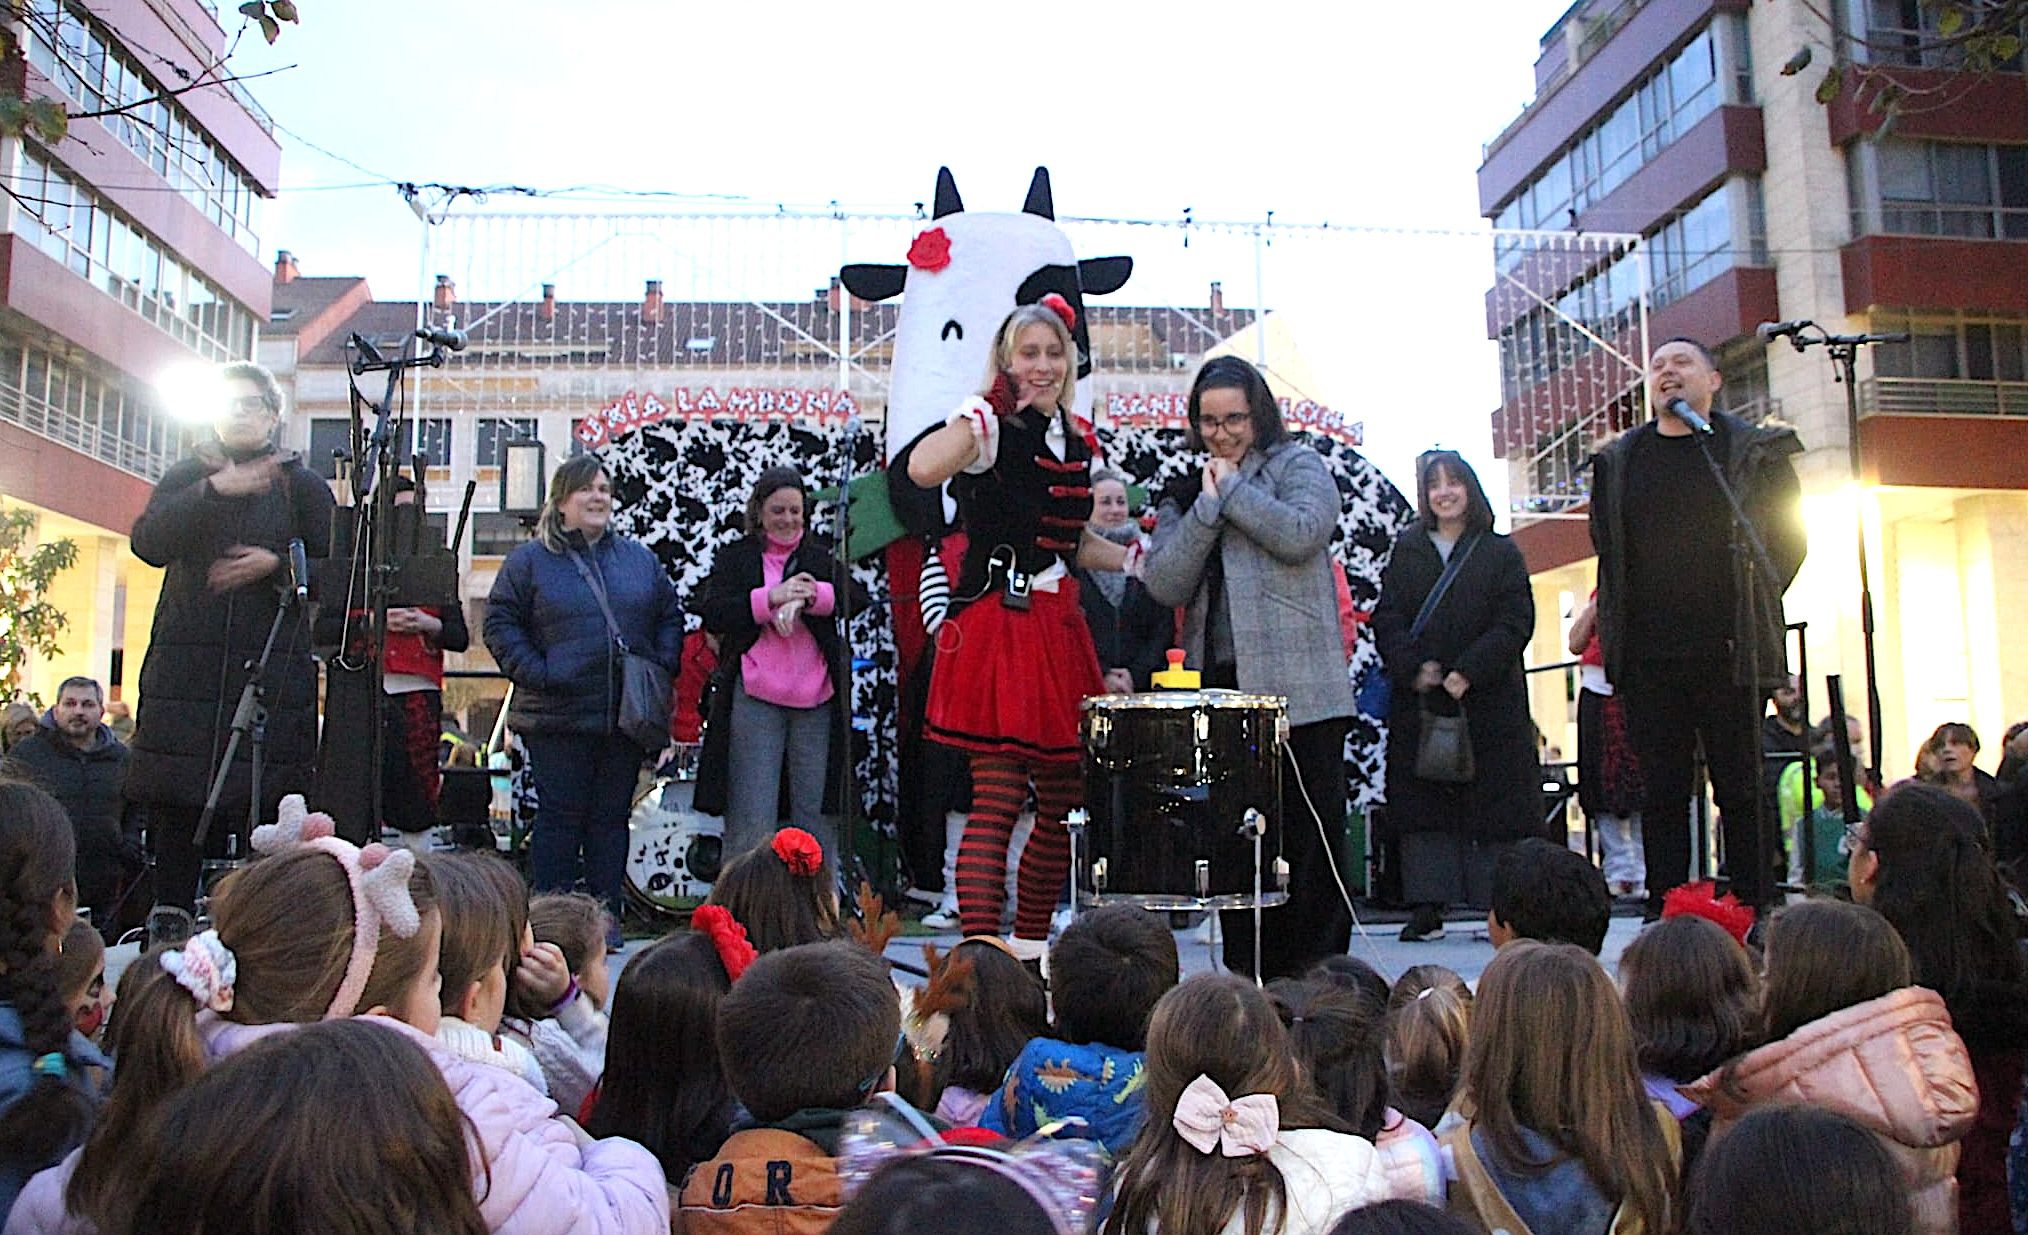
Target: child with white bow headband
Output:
{"points": [[1234, 1142], [319, 929]]}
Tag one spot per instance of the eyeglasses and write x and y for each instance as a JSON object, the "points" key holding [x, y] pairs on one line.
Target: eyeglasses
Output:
{"points": [[1852, 841], [1223, 424], [247, 403]]}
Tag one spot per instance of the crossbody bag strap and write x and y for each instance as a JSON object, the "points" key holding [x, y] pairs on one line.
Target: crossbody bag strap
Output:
{"points": [[1443, 584], [598, 591]]}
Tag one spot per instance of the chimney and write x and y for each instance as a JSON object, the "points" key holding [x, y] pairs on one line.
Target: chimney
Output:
{"points": [[1217, 298], [546, 311], [651, 302], [285, 267], [834, 294], [447, 293]]}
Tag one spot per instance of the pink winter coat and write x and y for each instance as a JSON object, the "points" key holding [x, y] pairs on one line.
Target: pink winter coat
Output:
{"points": [[1893, 1065], [546, 1177]]}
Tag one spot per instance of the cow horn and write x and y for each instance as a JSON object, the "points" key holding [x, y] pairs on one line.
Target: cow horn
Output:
{"points": [[947, 200], [1038, 196]]}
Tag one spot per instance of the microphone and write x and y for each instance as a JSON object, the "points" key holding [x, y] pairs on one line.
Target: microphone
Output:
{"points": [[444, 337], [1768, 332], [1688, 415], [299, 570]]}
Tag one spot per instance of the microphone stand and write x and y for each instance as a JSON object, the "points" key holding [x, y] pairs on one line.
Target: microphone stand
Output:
{"points": [[250, 721], [1746, 543], [841, 612], [1843, 350]]}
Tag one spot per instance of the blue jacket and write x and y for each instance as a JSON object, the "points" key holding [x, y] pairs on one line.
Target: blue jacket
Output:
{"points": [[544, 626], [17, 1077], [1051, 1079]]}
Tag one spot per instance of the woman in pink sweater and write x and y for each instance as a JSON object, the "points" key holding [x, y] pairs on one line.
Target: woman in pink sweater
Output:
{"points": [[783, 684]]}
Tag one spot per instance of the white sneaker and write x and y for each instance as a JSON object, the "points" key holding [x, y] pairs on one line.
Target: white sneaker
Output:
{"points": [[941, 919]]}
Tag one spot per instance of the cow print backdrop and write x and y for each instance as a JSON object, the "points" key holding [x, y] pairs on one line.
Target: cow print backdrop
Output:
{"points": [[681, 487]]}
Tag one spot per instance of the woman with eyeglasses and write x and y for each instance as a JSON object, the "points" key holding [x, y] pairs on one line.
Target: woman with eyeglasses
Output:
{"points": [[1244, 546], [1921, 860], [221, 522]]}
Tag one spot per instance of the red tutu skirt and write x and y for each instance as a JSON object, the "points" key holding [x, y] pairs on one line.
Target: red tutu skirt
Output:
{"points": [[1010, 683]]}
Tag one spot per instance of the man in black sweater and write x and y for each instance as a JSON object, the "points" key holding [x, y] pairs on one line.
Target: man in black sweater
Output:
{"points": [[1692, 658], [78, 761]]}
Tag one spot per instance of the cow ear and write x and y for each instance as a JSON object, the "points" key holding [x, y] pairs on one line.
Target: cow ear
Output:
{"points": [[947, 200], [870, 281], [1098, 275], [1038, 196]]}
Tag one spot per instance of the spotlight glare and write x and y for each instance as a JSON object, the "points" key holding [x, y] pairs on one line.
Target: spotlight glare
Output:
{"points": [[192, 393]]}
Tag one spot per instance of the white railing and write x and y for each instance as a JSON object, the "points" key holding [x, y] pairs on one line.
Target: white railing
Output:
{"points": [[1900, 396]]}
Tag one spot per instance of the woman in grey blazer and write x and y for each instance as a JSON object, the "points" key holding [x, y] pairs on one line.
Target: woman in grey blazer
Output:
{"points": [[1245, 547]]}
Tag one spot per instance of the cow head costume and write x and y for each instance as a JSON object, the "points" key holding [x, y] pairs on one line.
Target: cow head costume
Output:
{"points": [[965, 272]]}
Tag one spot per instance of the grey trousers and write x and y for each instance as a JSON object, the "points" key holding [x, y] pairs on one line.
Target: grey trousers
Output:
{"points": [[763, 736]]}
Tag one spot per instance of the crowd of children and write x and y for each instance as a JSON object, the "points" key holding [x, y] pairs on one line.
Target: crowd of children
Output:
{"points": [[371, 1042]]}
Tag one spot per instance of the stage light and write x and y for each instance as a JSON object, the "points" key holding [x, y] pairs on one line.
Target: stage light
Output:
{"points": [[523, 477], [192, 392]]}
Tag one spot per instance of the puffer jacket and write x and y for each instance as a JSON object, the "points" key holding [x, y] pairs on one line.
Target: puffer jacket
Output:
{"points": [[1893, 1064], [545, 627], [538, 1175], [1325, 1175], [1051, 1079]]}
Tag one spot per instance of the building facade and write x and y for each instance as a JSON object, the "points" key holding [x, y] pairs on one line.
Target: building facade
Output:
{"points": [[127, 250], [1673, 120]]}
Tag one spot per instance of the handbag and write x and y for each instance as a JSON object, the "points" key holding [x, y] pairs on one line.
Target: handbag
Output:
{"points": [[1376, 689], [645, 691], [1443, 753]]}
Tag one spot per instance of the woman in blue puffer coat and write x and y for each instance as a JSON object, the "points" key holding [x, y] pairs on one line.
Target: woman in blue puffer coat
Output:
{"points": [[545, 627]]}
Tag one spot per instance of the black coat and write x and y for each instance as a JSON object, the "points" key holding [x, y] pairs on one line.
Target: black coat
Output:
{"points": [[200, 643], [1136, 634], [727, 611], [1480, 628], [87, 783]]}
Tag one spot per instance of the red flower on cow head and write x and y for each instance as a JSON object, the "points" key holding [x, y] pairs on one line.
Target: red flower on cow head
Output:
{"points": [[931, 250], [1056, 304], [799, 851]]}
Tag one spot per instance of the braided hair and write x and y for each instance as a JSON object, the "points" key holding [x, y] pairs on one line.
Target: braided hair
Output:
{"points": [[37, 896]]}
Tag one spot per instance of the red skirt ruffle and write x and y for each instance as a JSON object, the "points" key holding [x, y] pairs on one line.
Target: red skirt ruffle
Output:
{"points": [[1010, 683]]}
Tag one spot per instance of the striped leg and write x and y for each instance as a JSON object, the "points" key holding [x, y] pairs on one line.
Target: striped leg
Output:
{"points": [[999, 785], [1045, 863]]}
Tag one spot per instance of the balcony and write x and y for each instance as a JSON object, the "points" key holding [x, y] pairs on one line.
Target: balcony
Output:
{"points": [[1926, 396], [87, 435]]}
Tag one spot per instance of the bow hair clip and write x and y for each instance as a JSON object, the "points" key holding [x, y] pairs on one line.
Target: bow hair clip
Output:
{"points": [[1236, 1127], [1062, 1177], [206, 968]]}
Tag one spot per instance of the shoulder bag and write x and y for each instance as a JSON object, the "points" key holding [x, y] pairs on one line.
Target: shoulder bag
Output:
{"points": [[644, 684]]}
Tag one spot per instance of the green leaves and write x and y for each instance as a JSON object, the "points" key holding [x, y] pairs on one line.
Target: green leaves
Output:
{"points": [[28, 623], [43, 119], [1833, 83], [269, 16]]}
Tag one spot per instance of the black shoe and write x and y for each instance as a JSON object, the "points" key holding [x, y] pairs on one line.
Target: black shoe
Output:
{"points": [[1426, 925]]}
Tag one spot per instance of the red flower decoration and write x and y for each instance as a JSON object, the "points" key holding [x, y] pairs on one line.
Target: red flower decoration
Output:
{"points": [[735, 951], [1056, 304], [799, 851], [1695, 900], [931, 250]]}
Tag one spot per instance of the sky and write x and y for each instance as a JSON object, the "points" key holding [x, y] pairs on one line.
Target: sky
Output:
{"points": [[1356, 115]]}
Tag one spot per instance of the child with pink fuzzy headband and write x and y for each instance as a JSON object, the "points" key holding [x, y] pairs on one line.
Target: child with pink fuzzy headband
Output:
{"points": [[315, 930]]}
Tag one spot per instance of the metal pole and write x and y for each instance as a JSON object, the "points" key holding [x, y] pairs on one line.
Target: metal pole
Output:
{"points": [[1260, 293], [1846, 355]]}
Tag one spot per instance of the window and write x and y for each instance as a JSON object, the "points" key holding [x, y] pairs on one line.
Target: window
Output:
{"points": [[1953, 189], [491, 432], [1906, 32], [74, 400], [430, 437], [495, 534], [328, 435], [1663, 107], [1691, 249]]}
